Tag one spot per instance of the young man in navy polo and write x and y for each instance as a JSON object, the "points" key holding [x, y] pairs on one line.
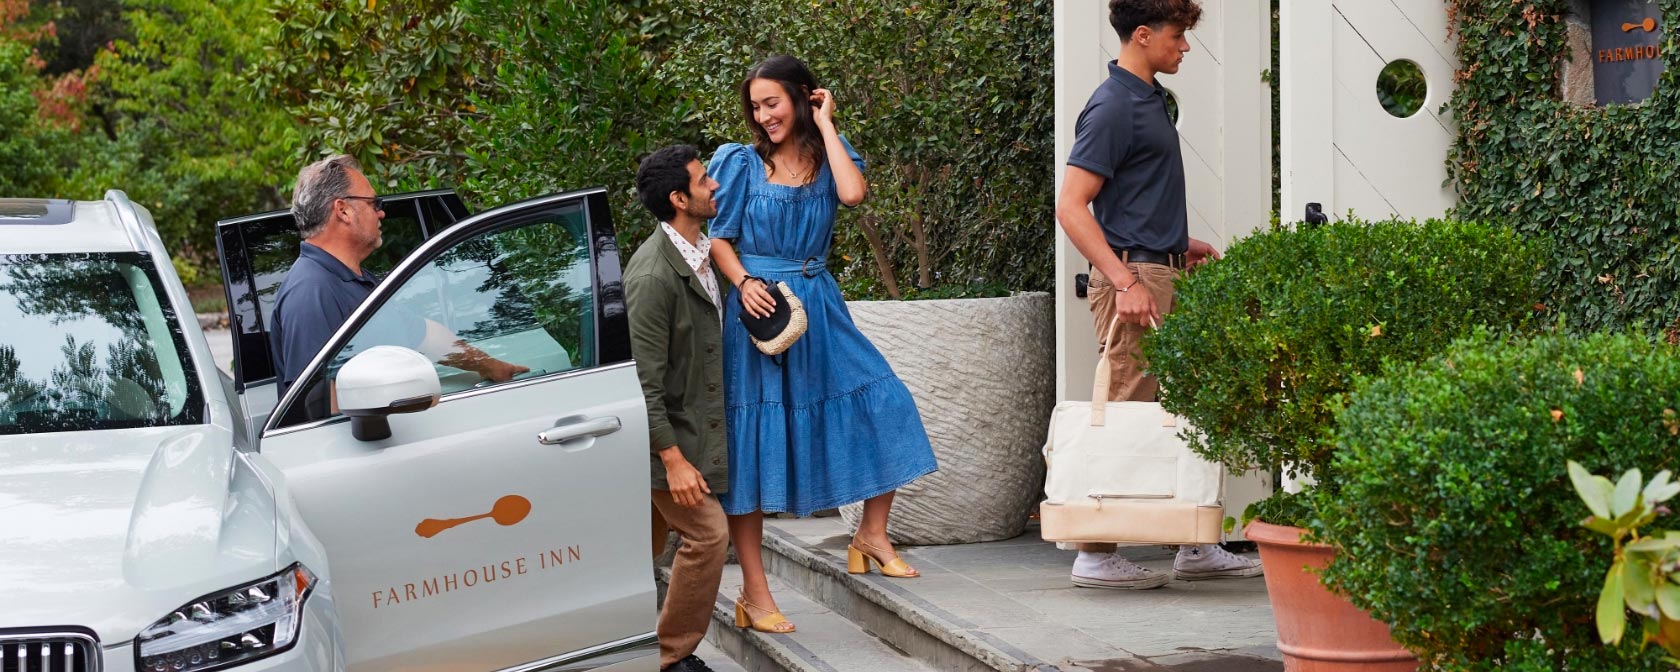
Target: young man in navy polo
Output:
{"points": [[1123, 205]]}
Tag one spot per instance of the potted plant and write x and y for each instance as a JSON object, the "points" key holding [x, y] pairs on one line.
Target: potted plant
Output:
{"points": [[1261, 346], [1456, 523]]}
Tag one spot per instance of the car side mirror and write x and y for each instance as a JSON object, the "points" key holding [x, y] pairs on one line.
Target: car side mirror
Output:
{"points": [[381, 381]]}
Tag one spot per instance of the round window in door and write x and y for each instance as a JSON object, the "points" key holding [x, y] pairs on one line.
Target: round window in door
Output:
{"points": [[512, 303]]}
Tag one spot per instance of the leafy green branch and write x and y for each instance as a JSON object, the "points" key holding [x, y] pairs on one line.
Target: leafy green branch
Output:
{"points": [[1645, 574]]}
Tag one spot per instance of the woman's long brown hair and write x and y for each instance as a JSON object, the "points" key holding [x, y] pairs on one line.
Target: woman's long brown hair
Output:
{"points": [[798, 83]]}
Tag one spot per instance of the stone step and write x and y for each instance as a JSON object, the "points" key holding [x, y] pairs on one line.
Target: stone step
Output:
{"points": [[1009, 606], [825, 641], [909, 624], [716, 659]]}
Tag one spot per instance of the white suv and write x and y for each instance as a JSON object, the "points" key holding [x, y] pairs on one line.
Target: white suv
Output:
{"points": [[152, 519]]}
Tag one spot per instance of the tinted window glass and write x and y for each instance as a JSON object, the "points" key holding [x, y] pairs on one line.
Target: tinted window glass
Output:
{"points": [[521, 293], [90, 342], [271, 246]]}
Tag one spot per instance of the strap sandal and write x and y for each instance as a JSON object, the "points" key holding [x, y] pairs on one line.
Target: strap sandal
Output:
{"points": [[857, 562], [772, 621]]}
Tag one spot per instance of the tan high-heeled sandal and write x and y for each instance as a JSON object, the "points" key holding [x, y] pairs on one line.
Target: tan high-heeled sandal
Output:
{"points": [[857, 562], [771, 622]]}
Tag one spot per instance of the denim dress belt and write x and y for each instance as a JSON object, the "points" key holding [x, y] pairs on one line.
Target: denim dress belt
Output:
{"points": [[810, 267]]}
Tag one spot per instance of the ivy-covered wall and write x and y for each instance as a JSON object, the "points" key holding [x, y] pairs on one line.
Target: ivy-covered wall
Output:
{"points": [[1602, 183]]}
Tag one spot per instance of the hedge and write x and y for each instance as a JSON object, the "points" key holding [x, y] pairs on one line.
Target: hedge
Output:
{"points": [[1598, 181], [1455, 521], [1260, 345], [949, 101]]}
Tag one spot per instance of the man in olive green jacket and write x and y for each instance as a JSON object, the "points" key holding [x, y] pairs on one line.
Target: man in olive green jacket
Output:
{"points": [[676, 337]]}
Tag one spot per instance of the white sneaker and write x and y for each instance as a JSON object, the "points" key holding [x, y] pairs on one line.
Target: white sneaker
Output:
{"points": [[1209, 561], [1110, 570]]}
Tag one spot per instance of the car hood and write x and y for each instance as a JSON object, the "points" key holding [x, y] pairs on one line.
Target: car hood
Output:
{"points": [[112, 530]]}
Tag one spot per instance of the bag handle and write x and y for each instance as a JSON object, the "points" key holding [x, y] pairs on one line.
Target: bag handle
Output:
{"points": [[1105, 373]]}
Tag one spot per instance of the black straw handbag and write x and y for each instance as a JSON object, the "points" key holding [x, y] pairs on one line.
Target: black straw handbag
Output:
{"points": [[774, 334]]}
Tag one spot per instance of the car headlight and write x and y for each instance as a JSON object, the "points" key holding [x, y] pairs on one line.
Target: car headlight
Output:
{"points": [[231, 627]]}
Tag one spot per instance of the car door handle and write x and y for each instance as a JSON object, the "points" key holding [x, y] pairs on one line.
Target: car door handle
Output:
{"points": [[569, 429]]}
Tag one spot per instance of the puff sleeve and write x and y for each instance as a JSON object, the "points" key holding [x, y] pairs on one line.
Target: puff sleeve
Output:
{"points": [[862, 166], [730, 166]]}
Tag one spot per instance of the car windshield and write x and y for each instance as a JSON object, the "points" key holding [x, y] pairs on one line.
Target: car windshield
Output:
{"points": [[90, 342]]}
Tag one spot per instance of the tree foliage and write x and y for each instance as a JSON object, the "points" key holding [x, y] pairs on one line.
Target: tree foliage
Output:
{"points": [[948, 101], [506, 100], [574, 104], [162, 112], [389, 83]]}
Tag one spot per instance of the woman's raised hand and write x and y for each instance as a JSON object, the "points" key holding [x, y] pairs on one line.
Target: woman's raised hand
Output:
{"points": [[822, 106], [755, 299]]}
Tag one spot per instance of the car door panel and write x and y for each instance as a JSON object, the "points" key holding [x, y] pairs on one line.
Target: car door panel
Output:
{"points": [[566, 567], [481, 592]]}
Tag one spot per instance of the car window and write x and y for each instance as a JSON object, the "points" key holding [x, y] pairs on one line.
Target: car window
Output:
{"points": [[267, 247], [91, 343], [520, 292]]}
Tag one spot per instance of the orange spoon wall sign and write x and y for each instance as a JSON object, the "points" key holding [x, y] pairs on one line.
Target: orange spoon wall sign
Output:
{"points": [[507, 511], [1649, 25]]}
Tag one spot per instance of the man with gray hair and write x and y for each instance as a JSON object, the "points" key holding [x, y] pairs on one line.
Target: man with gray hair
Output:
{"points": [[338, 215]]}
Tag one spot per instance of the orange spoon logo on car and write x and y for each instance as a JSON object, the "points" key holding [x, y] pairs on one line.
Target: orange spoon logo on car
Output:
{"points": [[507, 511]]}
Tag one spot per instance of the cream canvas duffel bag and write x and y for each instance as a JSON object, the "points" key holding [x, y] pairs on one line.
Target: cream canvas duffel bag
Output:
{"points": [[1118, 472]]}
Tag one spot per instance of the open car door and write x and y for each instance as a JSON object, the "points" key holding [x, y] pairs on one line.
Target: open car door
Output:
{"points": [[507, 524]]}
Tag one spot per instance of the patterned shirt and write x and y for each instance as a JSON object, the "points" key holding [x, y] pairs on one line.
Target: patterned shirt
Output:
{"points": [[698, 257]]}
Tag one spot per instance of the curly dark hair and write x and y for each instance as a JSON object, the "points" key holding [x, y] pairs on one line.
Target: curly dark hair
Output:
{"points": [[1127, 15], [661, 173]]}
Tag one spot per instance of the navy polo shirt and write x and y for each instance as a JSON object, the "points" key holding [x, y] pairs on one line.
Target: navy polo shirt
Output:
{"points": [[1125, 135], [318, 295]]}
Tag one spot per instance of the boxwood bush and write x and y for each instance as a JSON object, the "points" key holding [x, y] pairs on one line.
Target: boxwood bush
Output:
{"points": [[1261, 344], [1455, 521]]}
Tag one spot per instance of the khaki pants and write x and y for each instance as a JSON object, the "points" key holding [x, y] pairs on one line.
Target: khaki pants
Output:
{"points": [[1128, 381], [695, 574]]}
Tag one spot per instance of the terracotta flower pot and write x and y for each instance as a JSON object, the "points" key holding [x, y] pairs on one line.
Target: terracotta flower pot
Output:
{"points": [[1319, 631]]}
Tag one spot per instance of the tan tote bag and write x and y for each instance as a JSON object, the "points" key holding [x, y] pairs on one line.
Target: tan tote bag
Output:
{"points": [[1118, 473]]}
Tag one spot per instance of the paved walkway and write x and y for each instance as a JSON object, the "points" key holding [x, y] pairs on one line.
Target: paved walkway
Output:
{"points": [[1009, 602], [1015, 596]]}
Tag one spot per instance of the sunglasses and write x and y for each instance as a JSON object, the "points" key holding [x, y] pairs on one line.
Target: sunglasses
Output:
{"points": [[377, 202]]}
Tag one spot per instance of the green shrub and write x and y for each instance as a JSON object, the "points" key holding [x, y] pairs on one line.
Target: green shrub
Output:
{"points": [[1454, 521], [950, 102], [1260, 345]]}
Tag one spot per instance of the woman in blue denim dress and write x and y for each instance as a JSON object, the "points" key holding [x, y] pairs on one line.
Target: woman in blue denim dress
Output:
{"points": [[831, 424]]}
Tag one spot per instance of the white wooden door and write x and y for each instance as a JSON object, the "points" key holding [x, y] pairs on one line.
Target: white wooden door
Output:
{"points": [[1370, 163]]}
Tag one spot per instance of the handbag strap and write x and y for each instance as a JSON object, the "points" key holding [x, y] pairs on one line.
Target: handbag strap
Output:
{"points": [[1105, 373]]}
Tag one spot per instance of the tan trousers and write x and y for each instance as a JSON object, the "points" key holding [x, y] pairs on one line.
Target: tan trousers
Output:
{"points": [[695, 574], [1127, 382]]}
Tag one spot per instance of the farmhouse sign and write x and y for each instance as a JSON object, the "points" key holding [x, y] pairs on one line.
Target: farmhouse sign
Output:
{"points": [[1627, 49]]}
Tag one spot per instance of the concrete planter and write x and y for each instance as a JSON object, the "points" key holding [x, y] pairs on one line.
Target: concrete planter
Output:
{"points": [[983, 375]]}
